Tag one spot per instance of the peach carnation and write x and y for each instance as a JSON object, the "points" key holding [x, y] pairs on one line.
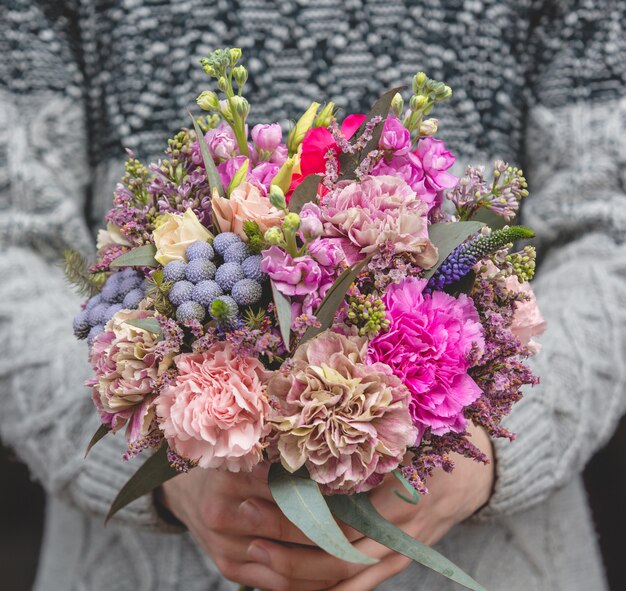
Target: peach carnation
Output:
{"points": [[346, 421], [215, 411]]}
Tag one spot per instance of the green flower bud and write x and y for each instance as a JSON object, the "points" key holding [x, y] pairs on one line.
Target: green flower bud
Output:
{"points": [[222, 84], [239, 176], [277, 197], [397, 104], [225, 110], [208, 101], [284, 174], [240, 74], [235, 55], [442, 92], [418, 102], [296, 135], [241, 106], [292, 222], [418, 82], [429, 127], [274, 235], [326, 115]]}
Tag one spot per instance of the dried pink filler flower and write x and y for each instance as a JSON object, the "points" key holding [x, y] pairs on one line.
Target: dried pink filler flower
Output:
{"points": [[126, 363], [346, 421], [431, 343], [215, 412]]}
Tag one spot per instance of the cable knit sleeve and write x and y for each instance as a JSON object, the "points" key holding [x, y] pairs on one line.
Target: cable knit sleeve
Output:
{"points": [[46, 413], [576, 163]]}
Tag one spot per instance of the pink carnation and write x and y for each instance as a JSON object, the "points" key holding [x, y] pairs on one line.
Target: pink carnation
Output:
{"points": [[215, 412], [431, 343], [345, 420], [378, 210], [126, 364]]}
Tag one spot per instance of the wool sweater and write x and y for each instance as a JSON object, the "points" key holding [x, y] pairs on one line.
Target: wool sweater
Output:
{"points": [[537, 82]]}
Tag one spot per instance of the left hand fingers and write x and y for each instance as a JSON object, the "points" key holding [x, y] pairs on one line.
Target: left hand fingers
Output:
{"points": [[368, 579], [301, 562]]}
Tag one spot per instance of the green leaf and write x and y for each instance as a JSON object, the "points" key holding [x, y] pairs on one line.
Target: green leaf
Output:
{"points": [[97, 436], [302, 503], [212, 176], [446, 236], [413, 497], [334, 297], [358, 512], [150, 324], [155, 471], [283, 311], [142, 256], [348, 163], [305, 192]]}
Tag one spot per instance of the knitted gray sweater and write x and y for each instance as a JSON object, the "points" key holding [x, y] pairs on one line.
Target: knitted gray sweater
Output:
{"points": [[539, 82]]}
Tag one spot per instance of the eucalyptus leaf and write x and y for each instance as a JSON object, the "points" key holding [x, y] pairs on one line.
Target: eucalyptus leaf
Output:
{"points": [[142, 256], [150, 324], [348, 163], [333, 299], [97, 436], [413, 497], [305, 192], [302, 503], [212, 176], [358, 512], [446, 236], [283, 311], [155, 471]]}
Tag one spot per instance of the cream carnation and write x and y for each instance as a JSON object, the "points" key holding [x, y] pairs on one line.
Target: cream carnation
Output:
{"points": [[215, 412], [346, 421], [175, 233], [246, 203]]}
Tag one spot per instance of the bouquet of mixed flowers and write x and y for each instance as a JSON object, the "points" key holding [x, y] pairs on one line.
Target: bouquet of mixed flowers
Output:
{"points": [[334, 305]]}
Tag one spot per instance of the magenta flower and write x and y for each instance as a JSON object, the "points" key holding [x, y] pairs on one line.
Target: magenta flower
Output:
{"points": [[229, 168], [221, 142], [266, 138], [436, 159], [292, 276], [395, 137], [310, 223], [263, 174], [431, 343]]}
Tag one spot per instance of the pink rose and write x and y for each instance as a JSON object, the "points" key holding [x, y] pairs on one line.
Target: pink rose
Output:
{"points": [[215, 412]]}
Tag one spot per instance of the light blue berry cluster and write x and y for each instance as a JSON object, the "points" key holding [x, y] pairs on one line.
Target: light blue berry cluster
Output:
{"points": [[122, 291], [226, 271]]}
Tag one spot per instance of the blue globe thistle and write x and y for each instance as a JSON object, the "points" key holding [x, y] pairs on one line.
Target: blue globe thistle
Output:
{"points": [[190, 311], [94, 301], [111, 292], [111, 311], [247, 292], [117, 277], [200, 270], [127, 272], [224, 309], [130, 283], [94, 332], [237, 253], [200, 250], [132, 298], [181, 292], [228, 274], [81, 325], [224, 240], [252, 268], [206, 291], [174, 271], [96, 314]]}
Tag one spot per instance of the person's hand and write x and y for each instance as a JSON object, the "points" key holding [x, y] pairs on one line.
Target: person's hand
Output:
{"points": [[452, 498], [226, 512]]}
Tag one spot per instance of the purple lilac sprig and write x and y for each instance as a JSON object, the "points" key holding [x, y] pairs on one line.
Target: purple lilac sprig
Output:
{"points": [[463, 258]]}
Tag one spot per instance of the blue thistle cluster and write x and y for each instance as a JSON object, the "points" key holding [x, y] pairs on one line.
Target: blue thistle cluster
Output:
{"points": [[461, 260], [122, 291], [216, 279]]}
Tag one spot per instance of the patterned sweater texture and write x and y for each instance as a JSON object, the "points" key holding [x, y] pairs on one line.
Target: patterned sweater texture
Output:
{"points": [[537, 82]]}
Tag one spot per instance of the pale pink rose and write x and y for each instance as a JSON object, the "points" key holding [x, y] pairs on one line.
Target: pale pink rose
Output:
{"points": [[379, 209], [346, 420], [215, 412], [527, 319], [247, 202]]}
